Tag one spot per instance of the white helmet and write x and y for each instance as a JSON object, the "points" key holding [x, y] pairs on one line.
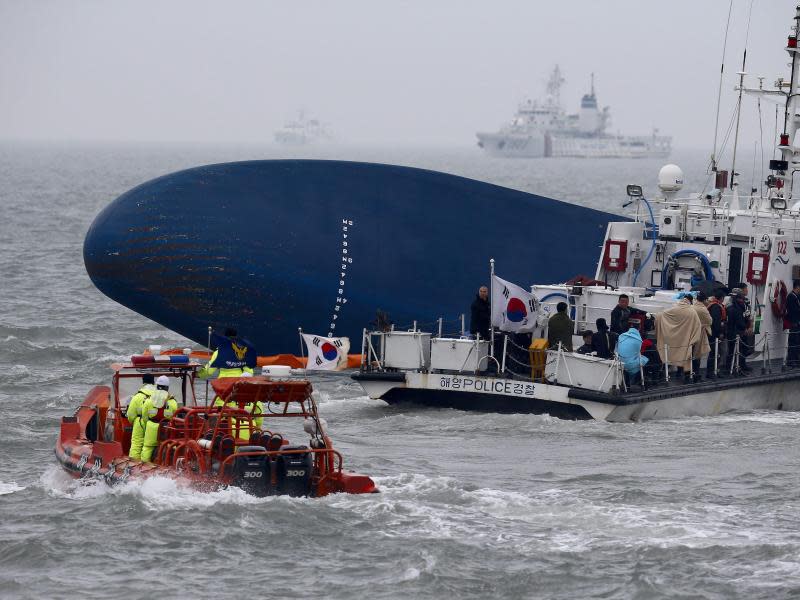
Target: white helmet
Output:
{"points": [[163, 380]]}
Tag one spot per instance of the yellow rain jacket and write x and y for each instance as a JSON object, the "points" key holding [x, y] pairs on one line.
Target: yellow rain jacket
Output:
{"points": [[134, 416], [158, 407]]}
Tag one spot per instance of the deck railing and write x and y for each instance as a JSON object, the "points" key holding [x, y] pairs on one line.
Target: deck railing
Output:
{"points": [[729, 356]]}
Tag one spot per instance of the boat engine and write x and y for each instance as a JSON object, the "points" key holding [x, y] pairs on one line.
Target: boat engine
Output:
{"points": [[293, 472], [252, 473]]}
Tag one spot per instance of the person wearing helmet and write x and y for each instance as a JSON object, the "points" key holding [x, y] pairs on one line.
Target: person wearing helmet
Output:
{"points": [[208, 371], [134, 414], [239, 427], [159, 407]]}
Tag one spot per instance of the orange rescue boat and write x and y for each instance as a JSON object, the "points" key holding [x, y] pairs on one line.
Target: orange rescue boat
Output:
{"points": [[206, 446]]}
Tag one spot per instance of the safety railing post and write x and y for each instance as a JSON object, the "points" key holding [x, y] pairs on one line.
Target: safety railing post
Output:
{"points": [[505, 348], [641, 374], [716, 357], [440, 327], [620, 372], [666, 363], [735, 361], [363, 346], [463, 331], [785, 364], [764, 356], [558, 361], [769, 358]]}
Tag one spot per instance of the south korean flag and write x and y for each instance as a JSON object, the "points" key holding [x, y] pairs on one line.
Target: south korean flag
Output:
{"points": [[513, 309], [326, 354]]}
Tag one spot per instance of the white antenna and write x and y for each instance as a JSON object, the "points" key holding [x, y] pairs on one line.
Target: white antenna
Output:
{"points": [[719, 92], [739, 101]]}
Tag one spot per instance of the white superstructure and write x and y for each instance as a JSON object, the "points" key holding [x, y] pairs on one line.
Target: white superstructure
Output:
{"points": [[542, 128], [717, 237]]}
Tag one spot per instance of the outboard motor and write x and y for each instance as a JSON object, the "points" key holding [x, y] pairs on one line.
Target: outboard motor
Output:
{"points": [[252, 473], [293, 472]]}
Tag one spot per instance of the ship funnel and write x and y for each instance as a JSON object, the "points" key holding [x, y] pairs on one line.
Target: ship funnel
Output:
{"points": [[670, 180]]}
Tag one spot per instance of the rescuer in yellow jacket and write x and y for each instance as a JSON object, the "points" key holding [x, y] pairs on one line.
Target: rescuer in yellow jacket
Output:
{"points": [[160, 406], [208, 371], [239, 427], [134, 414]]}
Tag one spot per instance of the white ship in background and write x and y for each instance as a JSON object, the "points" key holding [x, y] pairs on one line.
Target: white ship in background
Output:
{"points": [[303, 131], [746, 244], [542, 129]]}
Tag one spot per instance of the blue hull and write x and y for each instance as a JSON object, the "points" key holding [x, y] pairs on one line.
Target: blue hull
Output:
{"points": [[261, 246]]}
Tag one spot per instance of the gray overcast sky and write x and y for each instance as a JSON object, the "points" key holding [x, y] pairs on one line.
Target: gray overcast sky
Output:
{"points": [[378, 71]]}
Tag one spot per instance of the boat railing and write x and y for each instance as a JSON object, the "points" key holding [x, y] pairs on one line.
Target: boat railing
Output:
{"points": [[700, 214], [610, 368], [186, 453], [765, 344], [770, 351]]}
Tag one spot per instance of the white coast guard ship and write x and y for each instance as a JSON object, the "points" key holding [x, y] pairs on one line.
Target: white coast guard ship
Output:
{"points": [[716, 235], [542, 128]]}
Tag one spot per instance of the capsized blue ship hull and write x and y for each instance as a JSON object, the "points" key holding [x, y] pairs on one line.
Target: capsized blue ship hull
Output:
{"points": [[270, 246]]}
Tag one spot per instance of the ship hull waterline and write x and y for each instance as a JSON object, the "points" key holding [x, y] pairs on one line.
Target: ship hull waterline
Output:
{"points": [[498, 395]]}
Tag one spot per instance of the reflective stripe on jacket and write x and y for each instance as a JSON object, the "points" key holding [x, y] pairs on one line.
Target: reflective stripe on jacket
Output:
{"points": [[208, 371], [137, 402]]}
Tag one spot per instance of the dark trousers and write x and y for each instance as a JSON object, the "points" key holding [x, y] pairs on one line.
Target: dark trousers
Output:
{"points": [[793, 352]]}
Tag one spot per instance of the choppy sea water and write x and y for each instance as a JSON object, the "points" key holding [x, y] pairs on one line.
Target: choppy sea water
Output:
{"points": [[471, 506]]}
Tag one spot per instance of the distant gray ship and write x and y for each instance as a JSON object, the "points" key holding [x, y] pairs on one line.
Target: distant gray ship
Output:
{"points": [[541, 129], [303, 131]]}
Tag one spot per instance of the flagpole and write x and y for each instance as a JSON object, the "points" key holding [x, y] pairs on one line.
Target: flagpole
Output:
{"points": [[302, 354], [208, 345], [491, 320]]}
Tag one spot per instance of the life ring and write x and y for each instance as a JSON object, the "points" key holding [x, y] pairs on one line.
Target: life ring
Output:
{"points": [[779, 299]]}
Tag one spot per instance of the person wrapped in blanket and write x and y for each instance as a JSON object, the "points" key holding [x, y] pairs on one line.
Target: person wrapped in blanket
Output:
{"points": [[629, 350]]}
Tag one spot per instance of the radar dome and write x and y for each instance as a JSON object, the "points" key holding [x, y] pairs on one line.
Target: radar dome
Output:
{"points": [[670, 178]]}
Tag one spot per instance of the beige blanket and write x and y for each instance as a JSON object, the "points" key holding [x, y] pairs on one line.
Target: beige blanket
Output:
{"points": [[703, 347], [679, 328]]}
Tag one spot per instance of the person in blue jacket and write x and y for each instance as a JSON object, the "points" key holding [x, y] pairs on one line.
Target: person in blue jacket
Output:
{"points": [[629, 350]]}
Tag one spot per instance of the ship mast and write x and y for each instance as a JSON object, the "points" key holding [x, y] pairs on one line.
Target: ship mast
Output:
{"points": [[781, 183], [719, 91], [790, 124], [554, 86], [734, 182]]}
